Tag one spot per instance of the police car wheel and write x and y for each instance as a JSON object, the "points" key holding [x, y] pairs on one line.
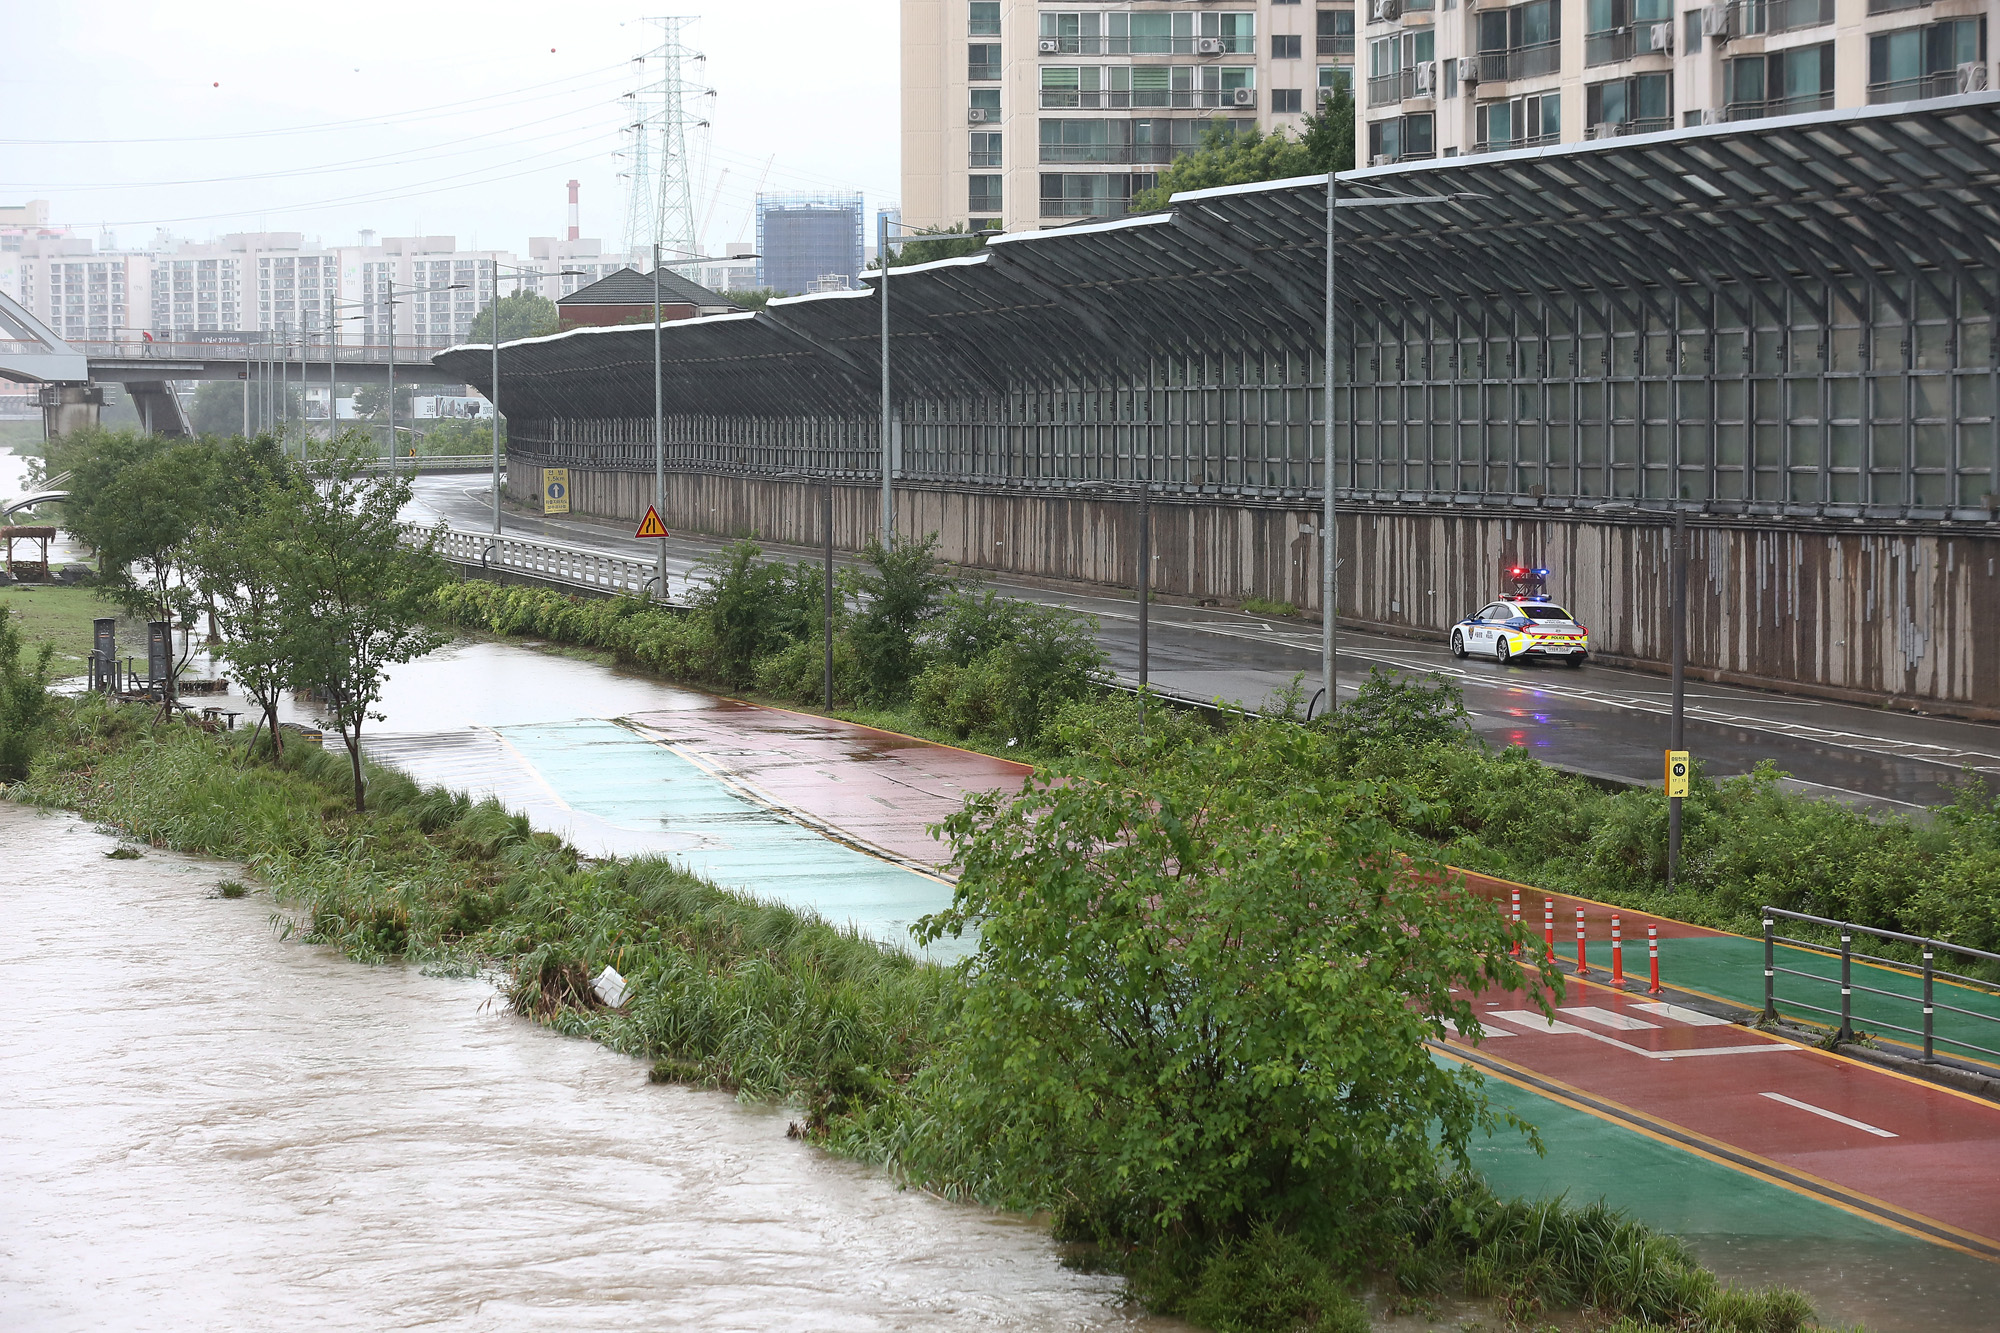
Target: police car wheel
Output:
{"points": [[1501, 653], [1457, 644], [1576, 659]]}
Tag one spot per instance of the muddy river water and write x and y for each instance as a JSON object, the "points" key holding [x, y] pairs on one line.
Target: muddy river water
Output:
{"points": [[204, 1127]]}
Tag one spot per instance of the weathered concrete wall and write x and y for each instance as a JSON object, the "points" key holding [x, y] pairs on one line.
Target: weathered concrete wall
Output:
{"points": [[1908, 615]]}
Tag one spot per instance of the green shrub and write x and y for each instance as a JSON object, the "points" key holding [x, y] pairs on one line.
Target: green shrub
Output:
{"points": [[1000, 668], [899, 599], [24, 700]]}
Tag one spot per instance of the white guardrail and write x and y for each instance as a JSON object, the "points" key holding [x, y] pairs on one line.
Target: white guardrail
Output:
{"points": [[435, 463], [543, 560]]}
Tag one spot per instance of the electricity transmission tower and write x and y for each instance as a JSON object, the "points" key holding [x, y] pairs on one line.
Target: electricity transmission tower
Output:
{"points": [[659, 198]]}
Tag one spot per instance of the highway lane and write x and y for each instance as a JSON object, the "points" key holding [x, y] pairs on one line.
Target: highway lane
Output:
{"points": [[1600, 720]]}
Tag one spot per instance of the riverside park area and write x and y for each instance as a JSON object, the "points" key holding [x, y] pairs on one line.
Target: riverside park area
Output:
{"points": [[586, 975]]}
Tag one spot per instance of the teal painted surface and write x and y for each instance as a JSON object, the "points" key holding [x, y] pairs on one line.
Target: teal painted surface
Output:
{"points": [[604, 770], [1658, 1183]]}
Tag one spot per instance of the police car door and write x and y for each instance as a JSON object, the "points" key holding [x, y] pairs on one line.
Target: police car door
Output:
{"points": [[1487, 629]]}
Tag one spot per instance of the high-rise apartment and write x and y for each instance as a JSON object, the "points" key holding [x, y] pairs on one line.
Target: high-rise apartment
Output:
{"points": [[1444, 78], [1023, 114]]}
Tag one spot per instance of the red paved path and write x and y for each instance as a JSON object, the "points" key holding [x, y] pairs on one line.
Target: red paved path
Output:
{"points": [[876, 787]]}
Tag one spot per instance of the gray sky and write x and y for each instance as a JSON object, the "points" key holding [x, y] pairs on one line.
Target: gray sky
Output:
{"points": [[211, 116]]}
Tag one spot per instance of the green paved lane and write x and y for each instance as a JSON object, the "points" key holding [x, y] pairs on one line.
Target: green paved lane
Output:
{"points": [[1732, 967]]}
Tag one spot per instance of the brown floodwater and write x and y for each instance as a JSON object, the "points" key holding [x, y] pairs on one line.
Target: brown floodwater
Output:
{"points": [[205, 1127]]}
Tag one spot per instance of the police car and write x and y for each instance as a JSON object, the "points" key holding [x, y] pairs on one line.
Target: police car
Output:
{"points": [[1522, 628]]}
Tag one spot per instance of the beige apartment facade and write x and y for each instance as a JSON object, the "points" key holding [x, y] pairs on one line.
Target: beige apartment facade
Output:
{"points": [[1448, 78], [1024, 114]]}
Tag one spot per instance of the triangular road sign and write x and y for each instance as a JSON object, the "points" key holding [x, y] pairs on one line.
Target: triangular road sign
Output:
{"points": [[652, 527]]}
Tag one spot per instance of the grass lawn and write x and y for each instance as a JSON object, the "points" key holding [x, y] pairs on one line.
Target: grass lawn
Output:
{"points": [[49, 613]]}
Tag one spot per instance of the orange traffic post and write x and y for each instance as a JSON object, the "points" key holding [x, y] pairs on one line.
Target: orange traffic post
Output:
{"points": [[1517, 917], [1582, 963], [1653, 957], [1549, 927], [1617, 954]]}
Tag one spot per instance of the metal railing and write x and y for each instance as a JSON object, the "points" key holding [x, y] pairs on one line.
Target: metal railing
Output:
{"points": [[1894, 6], [1637, 125], [1189, 45], [1223, 99], [1520, 62], [1778, 106], [1846, 953], [137, 349], [1337, 44], [1756, 18], [1405, 85], [1636, 39], [1944, 83], [546, 561], [435, 462]]}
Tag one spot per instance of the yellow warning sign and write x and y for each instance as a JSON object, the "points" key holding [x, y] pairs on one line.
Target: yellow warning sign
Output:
{"points": [[1677, 772], [555, 490], [651, 525]]}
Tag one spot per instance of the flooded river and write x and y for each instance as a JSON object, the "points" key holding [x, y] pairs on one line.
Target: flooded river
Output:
{"points": [[207, 1128]]}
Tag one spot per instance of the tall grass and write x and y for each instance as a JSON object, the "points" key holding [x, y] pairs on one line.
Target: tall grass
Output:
{"points": [[775, 1004]]}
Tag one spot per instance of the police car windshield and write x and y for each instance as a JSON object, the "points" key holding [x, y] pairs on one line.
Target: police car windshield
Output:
{"points": [[1543, 611]]}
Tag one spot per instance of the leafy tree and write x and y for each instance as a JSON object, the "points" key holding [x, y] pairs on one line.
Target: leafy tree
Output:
{"points": [[522, 314], [900, 598], [24, 699], [1201, 995], [753, 298], [933, 243], [355, 600], [236, 561], [1224, 158], [218, 408]]}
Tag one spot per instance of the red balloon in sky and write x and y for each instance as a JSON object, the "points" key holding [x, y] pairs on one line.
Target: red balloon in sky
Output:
{"points": [[215, 85]]}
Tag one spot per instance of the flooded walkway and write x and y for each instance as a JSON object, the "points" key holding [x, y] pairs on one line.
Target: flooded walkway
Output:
{"points": [[206, 1128]]}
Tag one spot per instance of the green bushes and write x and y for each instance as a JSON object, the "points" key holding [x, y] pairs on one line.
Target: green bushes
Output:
{"points": [[24, 699], [972, 664]]}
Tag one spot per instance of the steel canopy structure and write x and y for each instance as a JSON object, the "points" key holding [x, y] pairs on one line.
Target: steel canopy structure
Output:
{"points": [[1791, 316]]}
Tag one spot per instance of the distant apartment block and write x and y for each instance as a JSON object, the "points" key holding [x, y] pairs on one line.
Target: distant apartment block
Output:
{"points": [[809, 242], [1446, 78], [1021, 114]]}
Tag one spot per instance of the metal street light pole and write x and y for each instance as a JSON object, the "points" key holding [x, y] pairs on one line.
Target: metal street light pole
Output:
{"points": [[888, 427], [1329, 536], [1678, 573], [517, 274]]}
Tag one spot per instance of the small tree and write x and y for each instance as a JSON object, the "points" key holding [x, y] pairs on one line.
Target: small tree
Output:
{"points": [[903, 595], [522, 314], [236, 556], [24, 699], [354, 598]]}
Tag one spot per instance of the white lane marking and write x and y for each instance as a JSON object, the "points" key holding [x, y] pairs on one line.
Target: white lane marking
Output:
{"points": [[1692, 1018], [1533, 1021], [1484, 1033], [1822, 1111], [1590, 1013]]}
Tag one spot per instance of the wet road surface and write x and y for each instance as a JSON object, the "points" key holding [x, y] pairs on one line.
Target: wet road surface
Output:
{"points": [[1601, 720], [207, 1128]]}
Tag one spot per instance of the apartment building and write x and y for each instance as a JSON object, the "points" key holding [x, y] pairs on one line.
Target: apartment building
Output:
{"points": [[1035, 113], [1444, 78]]}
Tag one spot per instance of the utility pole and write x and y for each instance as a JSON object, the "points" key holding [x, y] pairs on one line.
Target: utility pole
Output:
{"points": [[888, 412], [660, 187]]}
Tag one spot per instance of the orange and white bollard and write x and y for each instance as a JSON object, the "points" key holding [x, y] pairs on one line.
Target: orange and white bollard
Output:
{"points": [[1582, 963], [1617, 954], [1653, 957], [1549, 927], [1516, 917]]}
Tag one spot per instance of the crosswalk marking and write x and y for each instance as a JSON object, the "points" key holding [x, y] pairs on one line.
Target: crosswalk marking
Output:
{"points": [[1483, 1032], [1528, 1018], [1534, 1022], [1822, 1111], [1690, 1017], [1609, 1018]]}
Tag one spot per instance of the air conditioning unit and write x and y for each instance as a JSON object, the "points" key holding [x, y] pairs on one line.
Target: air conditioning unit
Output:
{"points": [[1243, 96], [1049, 46], [979, 115], [1715, 20], [1972, 77], [1661, 37], [1426, 76], [1208, 46], [1380, 160], [1385, 10]]}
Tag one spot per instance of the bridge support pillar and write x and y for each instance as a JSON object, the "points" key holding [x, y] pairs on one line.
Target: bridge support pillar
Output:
{"points": [[69, 407]]}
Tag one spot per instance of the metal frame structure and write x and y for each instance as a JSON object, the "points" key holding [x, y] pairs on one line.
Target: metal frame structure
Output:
{"points": [[1782, 317]]}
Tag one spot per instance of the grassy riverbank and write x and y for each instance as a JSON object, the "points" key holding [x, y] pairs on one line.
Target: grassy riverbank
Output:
{"points": [[775, 1004], [61, 617]]}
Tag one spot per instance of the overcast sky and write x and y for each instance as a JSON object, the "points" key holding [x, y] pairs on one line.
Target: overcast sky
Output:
{"points": [[424, 116]]}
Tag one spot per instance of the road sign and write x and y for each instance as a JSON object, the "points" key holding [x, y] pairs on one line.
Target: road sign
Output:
{"points": [[651, 526], [1677, 772], [555, 490]]}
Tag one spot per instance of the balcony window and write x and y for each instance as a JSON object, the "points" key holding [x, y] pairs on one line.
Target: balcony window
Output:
{"points": [[1782, 83], [1924, 62], [1090, 195], [1894, 6], [1287, 47], [1402, 139], [1520, 42], [985, 102], [1521, 122], [1641, 104], [983, 19], [983, 62], [1402, 67], [985, 150], [1335, 78], [1621, 29], [1336, 32], [982, 194]]}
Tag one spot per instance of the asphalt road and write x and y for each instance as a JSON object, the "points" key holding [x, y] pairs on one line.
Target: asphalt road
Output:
{"points": [[1601, 720]]}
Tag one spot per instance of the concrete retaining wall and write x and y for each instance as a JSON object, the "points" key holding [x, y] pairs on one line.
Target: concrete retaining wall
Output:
{"points": [[1909, 615]]}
